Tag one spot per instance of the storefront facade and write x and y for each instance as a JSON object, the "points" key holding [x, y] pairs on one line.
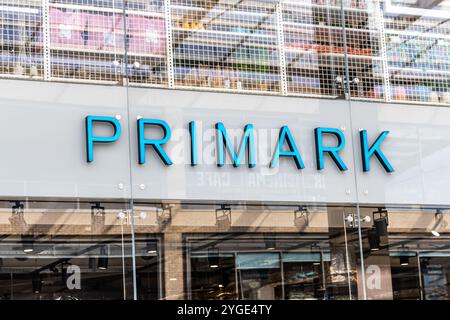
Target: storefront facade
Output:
{"points": [[120, 185]]}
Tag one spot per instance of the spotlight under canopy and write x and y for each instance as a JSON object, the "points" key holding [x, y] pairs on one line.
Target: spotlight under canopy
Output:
{"points": [[223, 217], [439, 223], [17, 219], [301, 217], [381, 223]]}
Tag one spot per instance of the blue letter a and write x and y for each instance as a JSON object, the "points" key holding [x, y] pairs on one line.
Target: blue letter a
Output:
{"points": [[285, 135]]}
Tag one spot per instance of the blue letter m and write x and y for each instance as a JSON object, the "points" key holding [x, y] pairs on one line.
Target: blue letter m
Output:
{"points": [[247, 142]]}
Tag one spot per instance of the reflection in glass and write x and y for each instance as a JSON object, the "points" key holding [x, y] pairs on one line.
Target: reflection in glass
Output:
{"points": [[318, 263], [413, 263]]}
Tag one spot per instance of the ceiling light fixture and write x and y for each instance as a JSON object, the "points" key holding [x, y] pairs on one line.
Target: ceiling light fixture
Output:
{"points": [[213, 257], [404, 260], [269, 242], [102, 262], [374, 240], [27, 243], [151, 247], [36, 282], [405, 255]]}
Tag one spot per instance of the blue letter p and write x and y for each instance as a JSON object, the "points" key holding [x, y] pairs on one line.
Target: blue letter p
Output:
{"points": [[90, 139]]}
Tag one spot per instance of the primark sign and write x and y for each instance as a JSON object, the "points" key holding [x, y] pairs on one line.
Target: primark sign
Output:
{"points": [[86, 142], [236, 150]]}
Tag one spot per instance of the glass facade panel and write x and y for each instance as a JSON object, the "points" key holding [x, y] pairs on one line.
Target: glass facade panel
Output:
{"points": [[83, 250], [407, 250], [68, 251], [82, 230], [312, 254]]}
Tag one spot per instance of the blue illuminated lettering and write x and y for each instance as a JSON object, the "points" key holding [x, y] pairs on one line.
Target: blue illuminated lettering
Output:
{"points": [[247, 142], [367, 152], [90, 139], [285, 145], [332, 151], [285, 135], [155, 143], [193, 134]]}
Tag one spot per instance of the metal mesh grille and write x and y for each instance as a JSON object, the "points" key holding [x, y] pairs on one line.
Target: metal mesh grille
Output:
{"points": [[365, 68], [146, 44], [314, 48], [418, 51], [289, 47], [226, 44], [21, 38], [86, 44]]}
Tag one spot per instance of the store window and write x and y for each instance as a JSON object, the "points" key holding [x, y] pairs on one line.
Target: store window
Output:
{"points": [[84, 250], [257, 267], [257, 252], [72, 251], [410, 249], [305, 275]]}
